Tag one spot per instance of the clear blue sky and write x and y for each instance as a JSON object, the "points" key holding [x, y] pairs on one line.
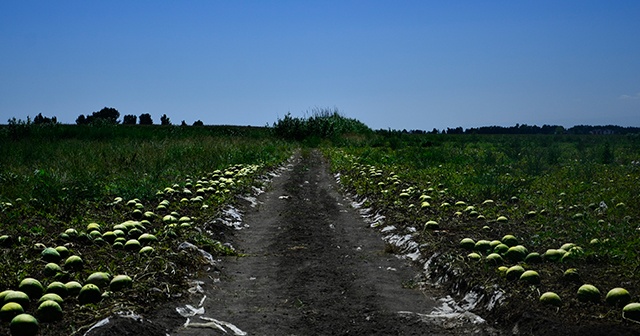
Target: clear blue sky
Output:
{"points": [[391, 64]]}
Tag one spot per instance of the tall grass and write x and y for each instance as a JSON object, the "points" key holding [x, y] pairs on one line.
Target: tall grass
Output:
{"points": [[321, 124]]}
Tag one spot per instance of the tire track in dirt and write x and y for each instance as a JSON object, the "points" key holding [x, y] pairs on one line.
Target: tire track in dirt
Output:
{"points": [[313, 267]]}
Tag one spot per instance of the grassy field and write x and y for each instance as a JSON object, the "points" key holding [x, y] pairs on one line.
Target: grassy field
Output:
{"points": [[546, 190], [81, 163]]}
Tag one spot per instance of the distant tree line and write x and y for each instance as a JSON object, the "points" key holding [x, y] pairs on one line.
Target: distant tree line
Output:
{"points": [[109, 115], [106, 116], [532, 129], [327, 122]]}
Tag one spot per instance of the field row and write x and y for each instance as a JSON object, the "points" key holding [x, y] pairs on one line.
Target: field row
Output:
{"points": [[499, 224], [133, 237]]}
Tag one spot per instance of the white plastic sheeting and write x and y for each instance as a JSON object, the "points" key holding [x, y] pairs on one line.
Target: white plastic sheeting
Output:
{"points": [[190, 311], [205, 255], [253, 201], [105, 322], [232, 217], [99, 324], [449, 313], [216, 324]]}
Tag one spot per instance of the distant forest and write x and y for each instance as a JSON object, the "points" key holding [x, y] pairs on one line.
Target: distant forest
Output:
{"points": [[109, 115], [533, 129]]}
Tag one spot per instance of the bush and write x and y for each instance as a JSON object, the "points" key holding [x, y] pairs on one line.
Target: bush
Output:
{"points": [[323, 124]]}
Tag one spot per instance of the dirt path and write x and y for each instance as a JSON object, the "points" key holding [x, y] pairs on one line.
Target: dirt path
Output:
{"points": [[312, 267]]}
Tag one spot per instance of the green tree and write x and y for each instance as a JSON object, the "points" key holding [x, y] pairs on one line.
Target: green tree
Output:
{"points": [[81, 120], [164, 120], [39, 119], [145, 119], [108, 115], [129, 119]]}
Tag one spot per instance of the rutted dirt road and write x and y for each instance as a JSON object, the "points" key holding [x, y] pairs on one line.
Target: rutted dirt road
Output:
{"points": [[313, 267]]}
